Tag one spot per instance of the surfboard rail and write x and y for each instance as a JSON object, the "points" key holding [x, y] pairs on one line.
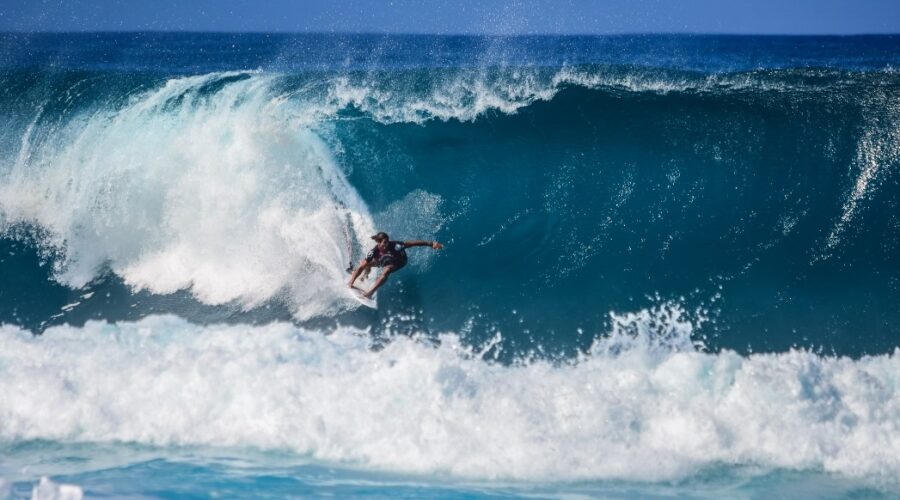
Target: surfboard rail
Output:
{"points": [[357, 293]]}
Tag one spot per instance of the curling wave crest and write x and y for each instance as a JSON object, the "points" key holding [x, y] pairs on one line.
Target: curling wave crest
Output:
{"points": [[204, 184]]}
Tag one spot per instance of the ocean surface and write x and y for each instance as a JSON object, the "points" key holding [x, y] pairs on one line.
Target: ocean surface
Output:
{"points": [[671, 266]]}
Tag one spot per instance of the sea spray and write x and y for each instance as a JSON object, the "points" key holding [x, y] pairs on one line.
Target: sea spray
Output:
{"points": [[192, 188]]}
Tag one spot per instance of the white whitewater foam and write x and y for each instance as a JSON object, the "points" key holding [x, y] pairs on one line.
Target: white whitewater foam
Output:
{"points": [[48, 490], [221, 193], [643, 404]]}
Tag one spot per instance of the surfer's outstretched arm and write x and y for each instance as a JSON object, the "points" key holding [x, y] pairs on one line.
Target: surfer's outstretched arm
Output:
{"points": [[420, 243], [363, 266], [385, 272]]}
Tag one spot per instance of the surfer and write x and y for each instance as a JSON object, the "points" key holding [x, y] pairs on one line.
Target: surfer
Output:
{"points": [[390, 256]]}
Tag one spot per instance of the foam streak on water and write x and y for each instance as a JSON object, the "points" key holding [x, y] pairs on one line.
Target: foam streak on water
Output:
{"points": [[644, 407]]}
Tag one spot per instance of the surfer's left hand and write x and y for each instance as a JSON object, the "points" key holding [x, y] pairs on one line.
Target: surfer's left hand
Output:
{"points": [[437, 246]]}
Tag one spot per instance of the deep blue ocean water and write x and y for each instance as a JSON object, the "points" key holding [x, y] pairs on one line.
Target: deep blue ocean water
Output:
{"points": [[671, 265]]}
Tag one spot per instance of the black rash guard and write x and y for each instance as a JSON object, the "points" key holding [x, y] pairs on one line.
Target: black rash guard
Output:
{"points": [[394, 255]]}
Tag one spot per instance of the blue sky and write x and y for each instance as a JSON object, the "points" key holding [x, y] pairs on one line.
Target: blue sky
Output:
{"points": [[457, 16]]}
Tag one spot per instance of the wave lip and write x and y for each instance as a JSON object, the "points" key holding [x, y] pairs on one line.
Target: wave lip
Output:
{"points": [[642, 412], [468, 94]]}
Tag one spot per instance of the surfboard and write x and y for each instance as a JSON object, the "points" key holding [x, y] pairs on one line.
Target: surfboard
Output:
{"points": [[357, 294]]}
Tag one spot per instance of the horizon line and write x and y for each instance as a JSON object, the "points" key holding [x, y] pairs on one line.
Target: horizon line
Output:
{"points": [[449, 34]]}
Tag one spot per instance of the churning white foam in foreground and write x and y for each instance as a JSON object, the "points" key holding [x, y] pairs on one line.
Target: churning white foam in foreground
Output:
{"points": [[643, 404], [206, 183], [48, 490]]}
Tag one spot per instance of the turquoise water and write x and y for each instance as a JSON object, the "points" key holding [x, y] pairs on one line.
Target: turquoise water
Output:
{"points": [[670, 265], [205, 473]]}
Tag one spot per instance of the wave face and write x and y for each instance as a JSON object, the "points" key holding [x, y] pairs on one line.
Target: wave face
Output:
{"points": [[765, 198], [679, 250]]}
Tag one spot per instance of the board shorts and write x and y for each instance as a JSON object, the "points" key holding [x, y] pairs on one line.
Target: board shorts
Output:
{"points": [[397, 261]]}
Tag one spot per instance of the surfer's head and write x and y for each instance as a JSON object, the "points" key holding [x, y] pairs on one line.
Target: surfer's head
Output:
{"points": [[381, 239]]}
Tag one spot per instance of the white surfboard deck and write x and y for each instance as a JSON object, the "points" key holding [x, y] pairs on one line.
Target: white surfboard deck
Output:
{"points": [[357, 294]]}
